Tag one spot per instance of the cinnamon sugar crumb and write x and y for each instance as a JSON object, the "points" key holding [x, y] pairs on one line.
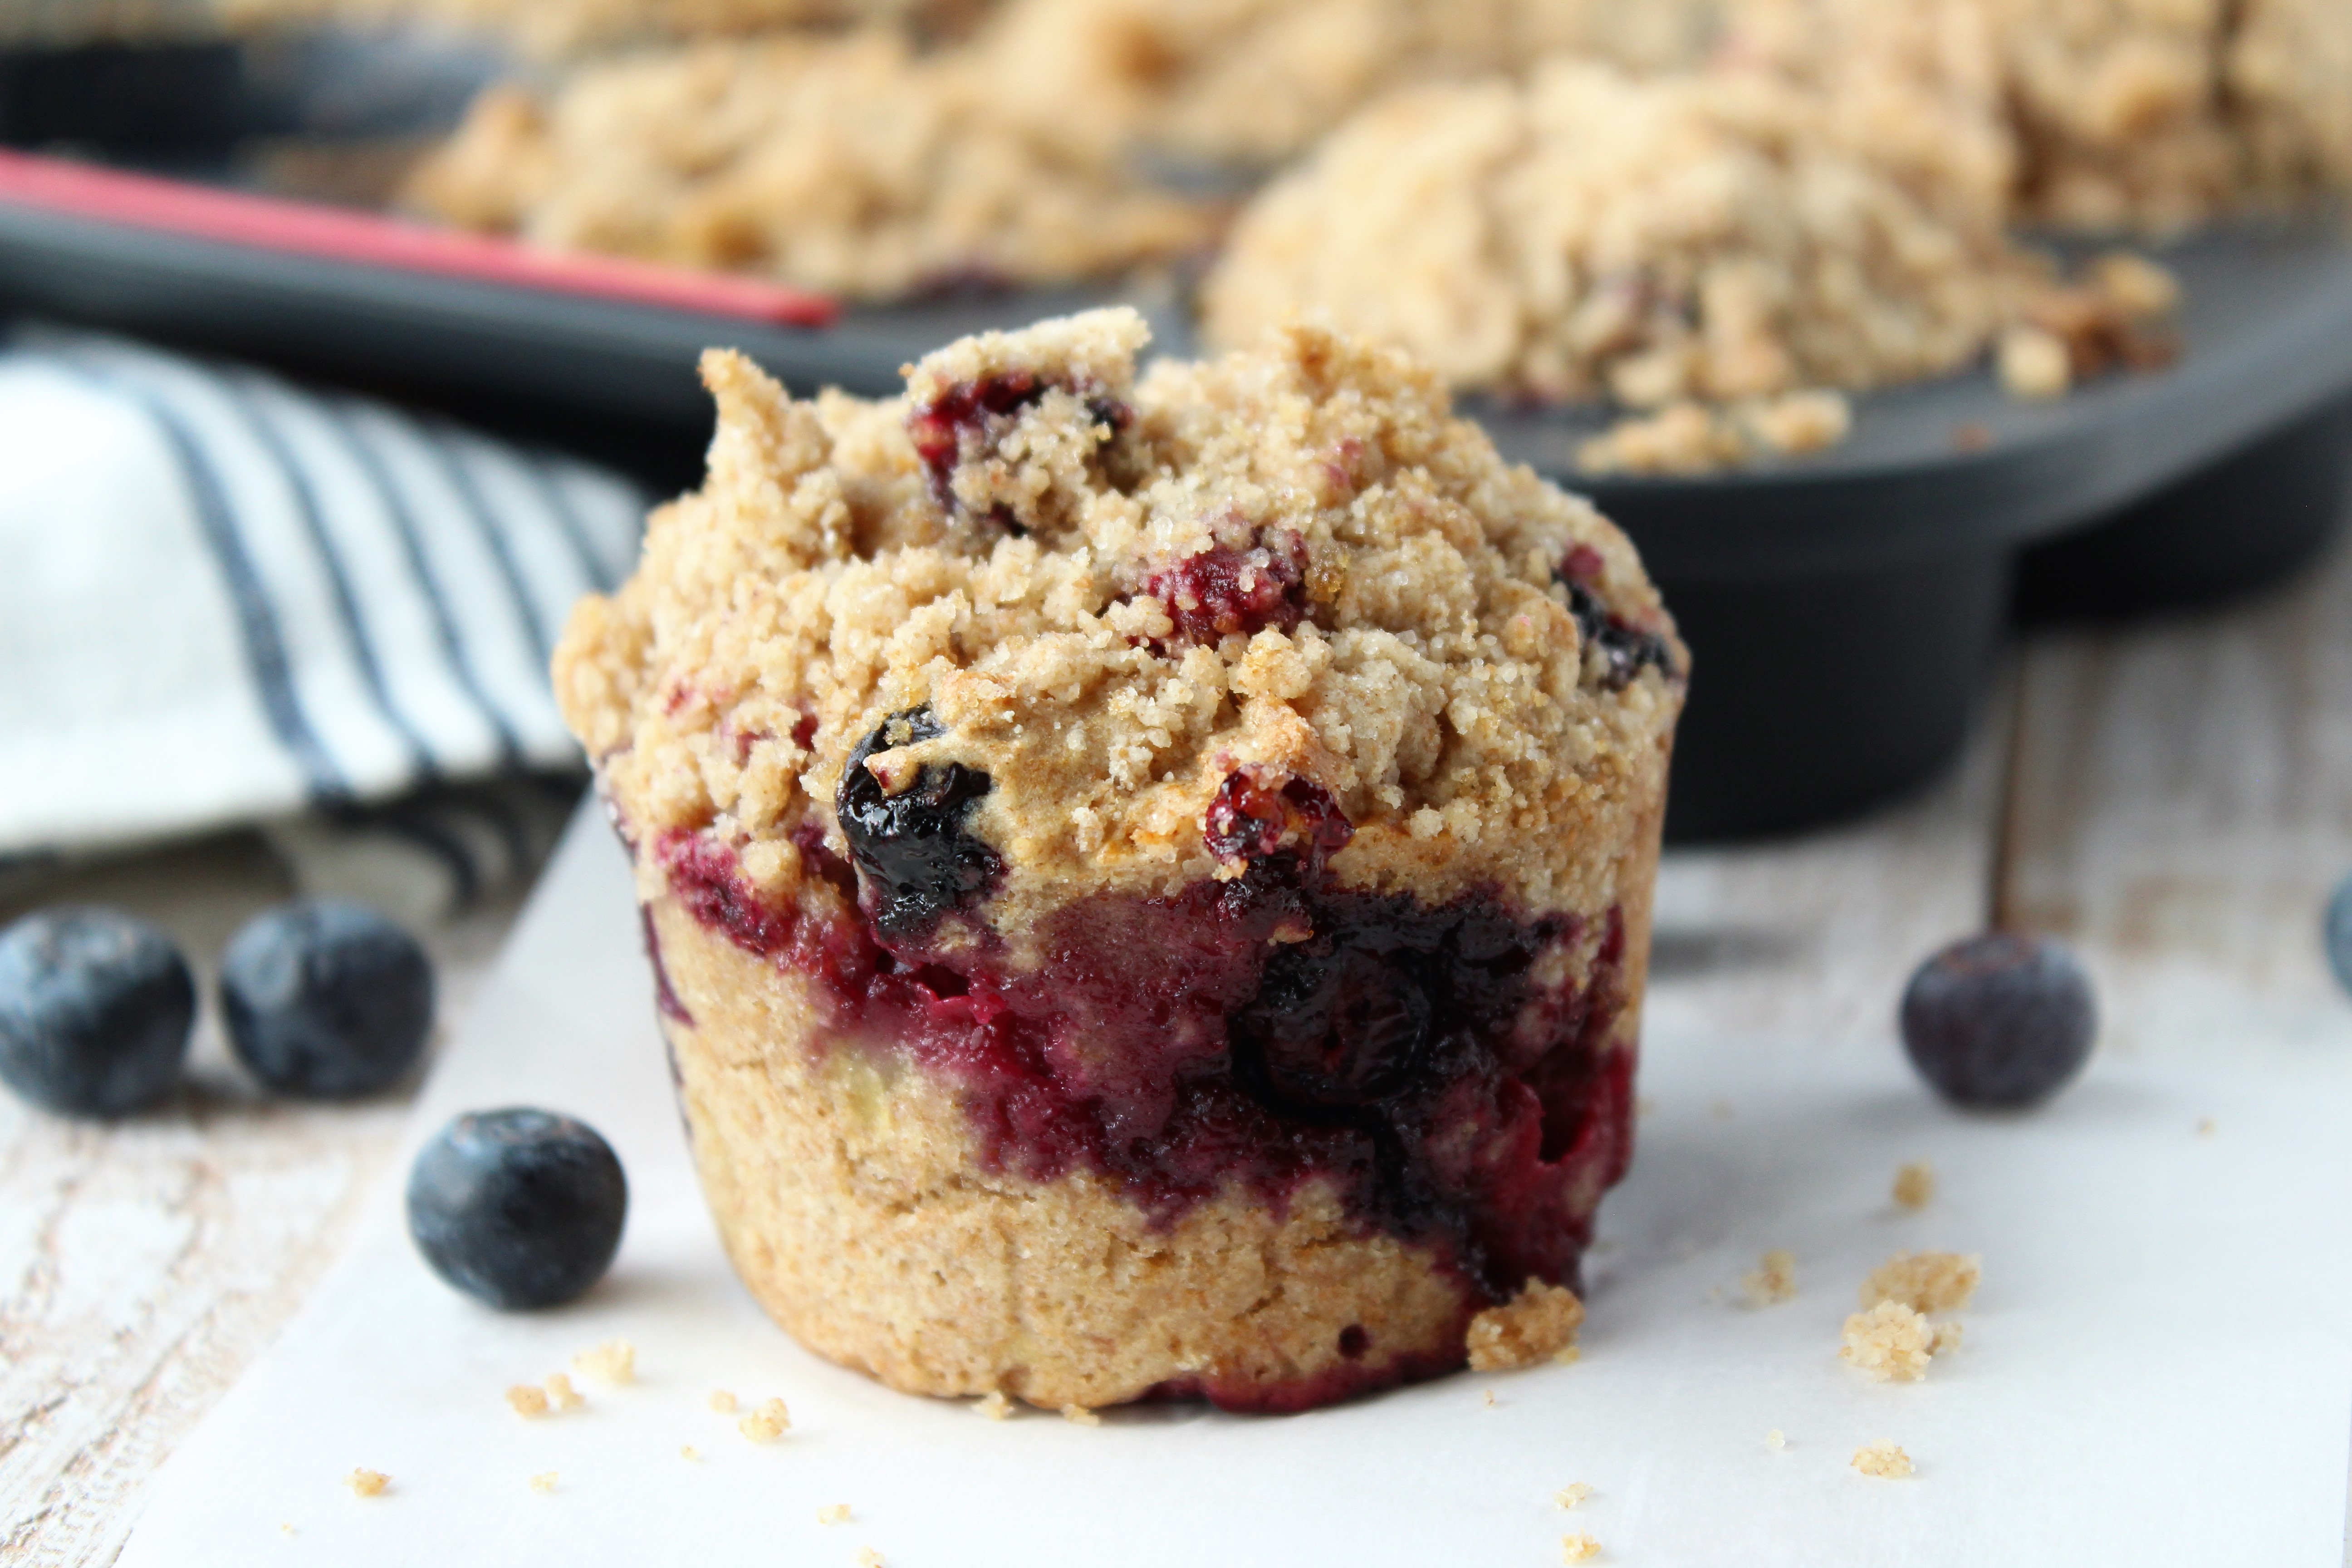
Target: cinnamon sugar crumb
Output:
{"points": [[1773, 1281], [1882, 1459], [1924, 1281], [1890, 1342], [722, 1402], [526, 1401], [1539, 1322], [1915, 1185], [1572, 1495], [996, 1408], [833, 1513], [1579, 1548], [1776, 1439], [766, 1424], [561, 1394], [1079, 1415], [615, 1361], [544, 1482], [367, 1483]]}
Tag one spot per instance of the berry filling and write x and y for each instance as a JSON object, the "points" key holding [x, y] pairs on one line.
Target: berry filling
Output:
{"points": [[1222, 590], [1625, 647]]}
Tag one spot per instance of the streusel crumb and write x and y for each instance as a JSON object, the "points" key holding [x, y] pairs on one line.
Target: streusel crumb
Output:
{"points": [[1924, 1281], [561, 1394], [1079, 1415], [527, 1401], [1772, 1282], [1889, 1343], [1915, 1185], [766, 1424], [367, 1483], [1572, 1495], [543, 1482], [1883, 1460], [996, 1406], [833, 1513], [614, 1362], [1536, 1324], [1579, 1548], [722, 1402]]}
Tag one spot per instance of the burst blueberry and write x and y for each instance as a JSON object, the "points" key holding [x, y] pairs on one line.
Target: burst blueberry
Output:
{"points": [[326, 999], [2000, 1021], [519, 1208], [914, 847], [95, 1010]]}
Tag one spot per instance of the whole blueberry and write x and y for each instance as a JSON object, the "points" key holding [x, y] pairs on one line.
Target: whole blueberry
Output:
{"points": [[517, 1208], [95, 1009], [2000, 1021], [2339, 934], [326, 999]]}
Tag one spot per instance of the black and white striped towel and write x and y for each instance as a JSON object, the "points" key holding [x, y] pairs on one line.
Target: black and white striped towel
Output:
{"points": [[223, 598]]}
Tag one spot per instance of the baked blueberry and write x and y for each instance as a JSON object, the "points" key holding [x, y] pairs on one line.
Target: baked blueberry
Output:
{"points": [[912, 845], [2000, 1021], [2339, 934], [326, 999], [95, 1009], [519, 1208]]}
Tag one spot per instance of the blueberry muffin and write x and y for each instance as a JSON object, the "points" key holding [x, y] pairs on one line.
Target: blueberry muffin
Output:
{"points": [[1148, 877]]}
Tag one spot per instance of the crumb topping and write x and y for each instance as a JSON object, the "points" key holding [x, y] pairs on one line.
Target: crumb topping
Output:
{"points": [[1915, 1185], [1925, 1281], [1882, 1459], [1537, 1324], [1772, 1282], [1890, 1342]]}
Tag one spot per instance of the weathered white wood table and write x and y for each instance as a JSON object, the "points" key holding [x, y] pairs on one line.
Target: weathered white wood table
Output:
{"points": [[2175, 799]]}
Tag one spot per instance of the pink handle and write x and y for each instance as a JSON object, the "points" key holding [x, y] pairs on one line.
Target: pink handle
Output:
{"points": [[331, 233]]}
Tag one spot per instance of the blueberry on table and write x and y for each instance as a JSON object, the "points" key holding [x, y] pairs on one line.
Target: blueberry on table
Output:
{"points": [[517, 1208], [95, 1010], [326, 999], [1999, 1021], [2339, 934]]}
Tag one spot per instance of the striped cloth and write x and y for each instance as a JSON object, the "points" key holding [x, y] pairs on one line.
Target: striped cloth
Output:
{"points": [[223, 598]]}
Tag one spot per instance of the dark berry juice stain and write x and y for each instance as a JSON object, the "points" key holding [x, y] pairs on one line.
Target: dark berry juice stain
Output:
{"points": [[1222, 592], [1625, 647], [918, 860], [665, 998], [1251, 819], [1271, 1030], [970, 416]]}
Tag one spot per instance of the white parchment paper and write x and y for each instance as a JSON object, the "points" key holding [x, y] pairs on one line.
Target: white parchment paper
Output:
{"points": [[2157, 1369]]}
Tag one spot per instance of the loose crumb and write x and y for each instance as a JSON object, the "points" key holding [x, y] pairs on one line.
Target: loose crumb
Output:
{"points": [[1882, 1459], [1890, 1342], [1490, 1399], [2034, 364], [691, 1452], [868, 1558], [1078, 1414], [367, 1483], [722, 1402], [615, 1361], [288, 1529], [1915, 1185], [527, 1401], [766, 1424], [1773, 1281], [1579, 1548], [1925, 1281], [1536, 1324], [561, 1394], [1572, 1495], [544, 1482], [1946, 1339], [833, 1513], [996, 1408], [1776, 1439]]}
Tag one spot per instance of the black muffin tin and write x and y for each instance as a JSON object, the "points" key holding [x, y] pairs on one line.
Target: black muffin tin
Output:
{"points": [[1842, 608]]}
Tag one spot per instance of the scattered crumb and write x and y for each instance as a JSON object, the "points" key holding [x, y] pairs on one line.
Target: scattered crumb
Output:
{"points": [[1572, 1495], [691, 1452], [367, 1483], [1971, 436], [1890, 1342], [544, 1483], [833, 1513], [561, 1394], [766, 1424], [1799, 422], [1924, 1281], [2034, 363], [1567, 1355], [1080, 1415], [526, 1401], [615, 1361], [996, 1408], [2207, 1127], [1882, 1459], [2134, 284], [1915, 1185], [1946, 1339], [722, 1402], [1579, 1548], [1776, 1439], [1536, 1324], [1773, 1281], [286, 1527], [868, 1558]]}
